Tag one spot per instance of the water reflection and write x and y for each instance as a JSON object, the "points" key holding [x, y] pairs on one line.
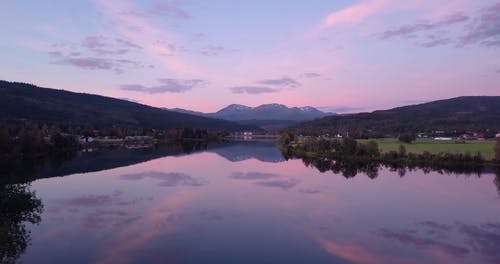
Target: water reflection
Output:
{"points": [[352, 168], [203, 207], [253, 175], [170, 179], [482, 239], [96, 211], [265, 151]]}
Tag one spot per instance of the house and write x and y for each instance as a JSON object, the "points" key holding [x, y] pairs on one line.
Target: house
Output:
{"points": [[84, 139], [465, 137], [479, 136], [443, 138]]}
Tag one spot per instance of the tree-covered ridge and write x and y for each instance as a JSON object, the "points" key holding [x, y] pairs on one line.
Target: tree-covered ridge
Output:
{"points": [[20, 101], [451, 117]]}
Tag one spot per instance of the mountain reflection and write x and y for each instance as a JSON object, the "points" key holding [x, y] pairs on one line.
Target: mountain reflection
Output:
{"points": [[106, 159], [18, 206], [235, 151]]}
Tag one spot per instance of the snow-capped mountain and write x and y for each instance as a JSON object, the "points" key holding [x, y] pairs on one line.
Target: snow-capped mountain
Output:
{"points": [[237, 112]]}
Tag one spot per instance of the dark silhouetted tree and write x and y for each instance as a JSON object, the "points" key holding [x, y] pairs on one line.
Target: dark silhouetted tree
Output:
{"points": [[18, 205], [497, 150], [407, 137], [402, 151], [287, 138], [349, 146]]}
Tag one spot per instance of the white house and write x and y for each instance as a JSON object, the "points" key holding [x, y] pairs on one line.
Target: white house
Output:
{"points": [[443, 138]]}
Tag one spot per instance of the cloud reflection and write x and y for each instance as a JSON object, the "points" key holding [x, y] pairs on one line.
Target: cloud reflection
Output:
{"points": [[252, 176], [98, 211], [170, 179], [480, 239], [282, 184]]}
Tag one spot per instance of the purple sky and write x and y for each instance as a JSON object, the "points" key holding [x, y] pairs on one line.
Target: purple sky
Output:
{"points": [[341, 56]]}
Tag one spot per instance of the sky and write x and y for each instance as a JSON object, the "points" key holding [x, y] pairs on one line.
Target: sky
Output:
{"points": [[339, 56]]}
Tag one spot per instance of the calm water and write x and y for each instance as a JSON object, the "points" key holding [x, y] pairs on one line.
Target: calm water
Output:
{"points": [[244, 203]]}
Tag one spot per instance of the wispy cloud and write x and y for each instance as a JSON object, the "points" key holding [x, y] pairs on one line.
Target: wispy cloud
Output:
{"points": [[101, 45], [282, 82], [409, 29], [166, 86], [131, 23], [353, 14], [310, 75], [485, 29], [340, 109], [169, 10], [253, 89], [435, 40], [212, 50], [96, 53], [199, 36], [92, 63]]}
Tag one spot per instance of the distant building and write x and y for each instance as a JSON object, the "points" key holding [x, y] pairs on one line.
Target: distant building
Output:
{"points": [[443, 138], [479, 136], [84, 139], [465, 137]]}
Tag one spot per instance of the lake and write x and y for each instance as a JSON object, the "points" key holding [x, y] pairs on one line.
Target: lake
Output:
{"points": [[244, 203]]}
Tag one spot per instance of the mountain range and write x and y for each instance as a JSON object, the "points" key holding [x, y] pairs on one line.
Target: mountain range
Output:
{"points": [[267, 116], [237, 112], [455, 115], [20, 101]]}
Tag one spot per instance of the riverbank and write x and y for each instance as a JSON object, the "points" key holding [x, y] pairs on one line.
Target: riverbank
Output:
{"points": [[424, 154]]}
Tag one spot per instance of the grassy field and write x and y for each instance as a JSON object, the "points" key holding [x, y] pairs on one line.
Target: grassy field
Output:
{"points": [[433, 146]]}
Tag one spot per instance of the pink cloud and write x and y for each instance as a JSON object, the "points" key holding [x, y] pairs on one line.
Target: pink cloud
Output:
{"points": [[137, 29], [354, 14], [366, 9]]}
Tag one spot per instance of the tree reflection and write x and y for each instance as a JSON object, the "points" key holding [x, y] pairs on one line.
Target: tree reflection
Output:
{"points": [[351, 166], [347, 167], [496, 181], [18, 206]]}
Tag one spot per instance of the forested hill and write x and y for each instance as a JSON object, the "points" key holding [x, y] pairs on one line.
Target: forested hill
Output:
{"points": [[467, 113], [20, 101]]}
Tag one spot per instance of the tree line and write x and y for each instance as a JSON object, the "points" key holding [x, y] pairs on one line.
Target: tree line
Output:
{"points": [[28, 140], [351, 149]]}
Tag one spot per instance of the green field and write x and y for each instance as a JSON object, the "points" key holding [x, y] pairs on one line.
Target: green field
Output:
{"points": [[433, 146]]}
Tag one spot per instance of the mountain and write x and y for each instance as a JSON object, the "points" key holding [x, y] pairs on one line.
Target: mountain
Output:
{"points": [[26, 101], [265, 112], [268, 112], [184, 111], [467, 113]]}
